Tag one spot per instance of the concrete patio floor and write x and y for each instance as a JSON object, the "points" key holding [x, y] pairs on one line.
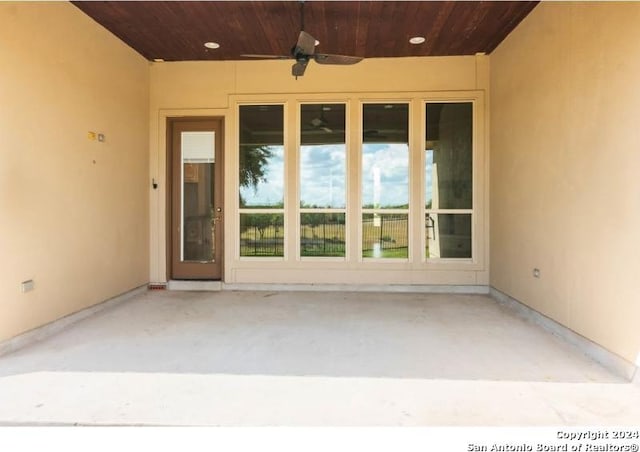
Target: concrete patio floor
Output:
{"points": [[309, 358]]}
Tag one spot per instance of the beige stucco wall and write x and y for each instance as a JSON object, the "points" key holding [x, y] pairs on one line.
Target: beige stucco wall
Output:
{"points": [[73, 212], [565, 190], [216, 88]]}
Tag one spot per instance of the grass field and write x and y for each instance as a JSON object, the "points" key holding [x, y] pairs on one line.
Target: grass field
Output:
{"points": [[397, 253]]}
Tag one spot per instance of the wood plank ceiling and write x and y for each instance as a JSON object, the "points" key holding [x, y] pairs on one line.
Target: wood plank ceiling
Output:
{"points": [[177, 31]]}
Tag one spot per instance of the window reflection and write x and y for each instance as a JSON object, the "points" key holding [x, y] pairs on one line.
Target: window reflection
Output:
{"points": [[322, 234], [448, 235], [322, 156], [385, 235], [448, 180], [385, 156], [261, 235], [448, 156], [261, 156], [323, 176], [262, 179]]}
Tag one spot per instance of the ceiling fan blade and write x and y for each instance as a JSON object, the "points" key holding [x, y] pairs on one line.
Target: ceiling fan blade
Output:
{"points": [[298, 68], [323, 58], [306, 44], [266, 57]]}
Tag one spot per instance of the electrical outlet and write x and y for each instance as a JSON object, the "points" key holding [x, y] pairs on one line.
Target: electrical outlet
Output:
{"points": [[27, 286], [536, 272]]}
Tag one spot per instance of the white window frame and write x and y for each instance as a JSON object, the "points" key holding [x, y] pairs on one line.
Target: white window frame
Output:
{"points": [[248, 210], [474, 174], [353, 263], [300, 210], [410, 176]]}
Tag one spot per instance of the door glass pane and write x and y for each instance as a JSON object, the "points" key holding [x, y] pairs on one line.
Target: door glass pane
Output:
{"points": [[448, 156], [261, 156], [322, 156], [448, 235], [385, 156], [198, 160], [385, 235], [262, 234], [322, 234]]}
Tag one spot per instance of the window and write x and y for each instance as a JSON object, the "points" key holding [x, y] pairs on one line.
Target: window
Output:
{"points": [[393, 187], [385, 180], [322, 176], [196, 207], [448, 180], [261, 175]]}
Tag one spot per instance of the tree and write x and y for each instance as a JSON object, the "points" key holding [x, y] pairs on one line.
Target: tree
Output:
{"points": [[259, 221], [253, 160]]}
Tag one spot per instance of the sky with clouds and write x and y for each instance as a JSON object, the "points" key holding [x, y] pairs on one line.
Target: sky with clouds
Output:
{"points": [[269, 192], [323, 176], [385, 176]]}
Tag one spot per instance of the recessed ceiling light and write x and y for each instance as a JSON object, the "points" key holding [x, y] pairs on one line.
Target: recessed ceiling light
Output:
{"points": [[158, 60], [212, 45], [417, 40]]}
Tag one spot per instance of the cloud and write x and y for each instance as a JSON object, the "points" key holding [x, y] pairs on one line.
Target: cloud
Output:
{"points": [[323, 175], [385, 174], [271, 191]]}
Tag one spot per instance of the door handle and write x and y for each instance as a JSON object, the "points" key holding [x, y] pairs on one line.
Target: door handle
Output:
{"points": [[218, 216]]}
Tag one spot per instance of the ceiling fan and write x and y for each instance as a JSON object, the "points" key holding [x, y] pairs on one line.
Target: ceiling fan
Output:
{"points": [[304, 51], [321, 123]]}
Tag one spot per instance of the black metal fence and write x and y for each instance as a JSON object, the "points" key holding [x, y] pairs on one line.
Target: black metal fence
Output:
{"points": [[262, 235], [387, 232], [323, 239]]}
